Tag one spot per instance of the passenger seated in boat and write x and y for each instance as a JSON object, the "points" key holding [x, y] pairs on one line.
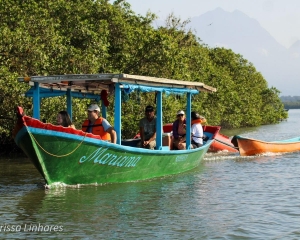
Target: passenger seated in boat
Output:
{"points": [[63, 119], [148, 129], [196, 130], [98, 125], [179, 131]]}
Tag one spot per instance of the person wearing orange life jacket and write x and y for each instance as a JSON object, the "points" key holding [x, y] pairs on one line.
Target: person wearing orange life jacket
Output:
{"points": [[98, 125]]}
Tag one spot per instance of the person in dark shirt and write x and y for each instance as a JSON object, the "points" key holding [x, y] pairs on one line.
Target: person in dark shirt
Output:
{"points": [[148, 129]]}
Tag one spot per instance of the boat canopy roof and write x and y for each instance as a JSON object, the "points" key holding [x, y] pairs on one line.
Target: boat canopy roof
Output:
{"points": [[90, 85]]}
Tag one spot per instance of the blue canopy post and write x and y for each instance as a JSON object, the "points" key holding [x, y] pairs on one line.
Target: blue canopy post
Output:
{"points": [[69, 102], [159, 120], [103, 109], [117, 117], [36, 100], [188, 120]]}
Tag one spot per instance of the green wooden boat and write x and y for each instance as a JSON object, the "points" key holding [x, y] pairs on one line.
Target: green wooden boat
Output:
{"points": [[68, 156]]}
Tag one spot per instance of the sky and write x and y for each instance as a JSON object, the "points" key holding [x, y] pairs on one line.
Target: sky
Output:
{"points": [[281, 18]]}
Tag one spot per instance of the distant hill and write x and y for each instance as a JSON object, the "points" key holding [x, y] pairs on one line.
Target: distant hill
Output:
{"points": [[294, 50], [244, 35]]}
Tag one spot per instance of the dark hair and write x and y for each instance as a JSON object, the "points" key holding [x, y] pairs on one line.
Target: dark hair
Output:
{"points": [[66, 120], [149, 109], [195, 115]]}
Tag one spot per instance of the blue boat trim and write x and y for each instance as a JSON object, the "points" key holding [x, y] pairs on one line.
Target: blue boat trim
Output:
{"points": [[79, 138]]}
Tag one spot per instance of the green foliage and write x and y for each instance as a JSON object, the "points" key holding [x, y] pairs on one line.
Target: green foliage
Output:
{"points": [[62, 37], [10, 95]]}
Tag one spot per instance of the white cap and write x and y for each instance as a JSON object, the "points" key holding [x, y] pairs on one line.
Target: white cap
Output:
{"points": [[180, 112], [94, 107]]}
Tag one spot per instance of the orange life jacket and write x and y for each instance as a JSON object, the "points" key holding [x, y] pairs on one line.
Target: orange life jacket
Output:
{"points": [[97, 128], [198, 121]]}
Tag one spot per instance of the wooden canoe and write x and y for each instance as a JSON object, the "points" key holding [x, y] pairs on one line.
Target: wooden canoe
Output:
{"points": [[249, 146]]}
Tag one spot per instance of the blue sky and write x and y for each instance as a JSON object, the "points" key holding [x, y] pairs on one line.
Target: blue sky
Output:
{"points": [[281, 18]]}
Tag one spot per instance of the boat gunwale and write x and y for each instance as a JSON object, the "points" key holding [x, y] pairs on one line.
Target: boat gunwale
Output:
{"points": [[100, 142], [284, 141]]}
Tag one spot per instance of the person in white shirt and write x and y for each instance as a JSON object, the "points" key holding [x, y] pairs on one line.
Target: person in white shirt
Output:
{"points": [[196, 130]]}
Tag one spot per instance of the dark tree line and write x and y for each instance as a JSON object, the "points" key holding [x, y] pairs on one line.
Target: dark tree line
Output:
{"points": [[291, 102]]}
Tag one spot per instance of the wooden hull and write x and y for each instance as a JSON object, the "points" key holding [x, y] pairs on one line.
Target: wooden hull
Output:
{"points": [[222, 146], [220, 143], [249, 147], [65, 155]]}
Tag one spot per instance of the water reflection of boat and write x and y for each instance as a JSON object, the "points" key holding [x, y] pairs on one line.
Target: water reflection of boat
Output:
{"points": [[66, 155], [27, 211], [249, 146]]}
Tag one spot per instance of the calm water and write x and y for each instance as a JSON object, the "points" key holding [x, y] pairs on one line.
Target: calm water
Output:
{"points": [[226, 197]]}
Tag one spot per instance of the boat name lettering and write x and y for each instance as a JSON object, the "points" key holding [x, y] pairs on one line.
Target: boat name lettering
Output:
{"points": [[181, 158], [102, 157]]}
